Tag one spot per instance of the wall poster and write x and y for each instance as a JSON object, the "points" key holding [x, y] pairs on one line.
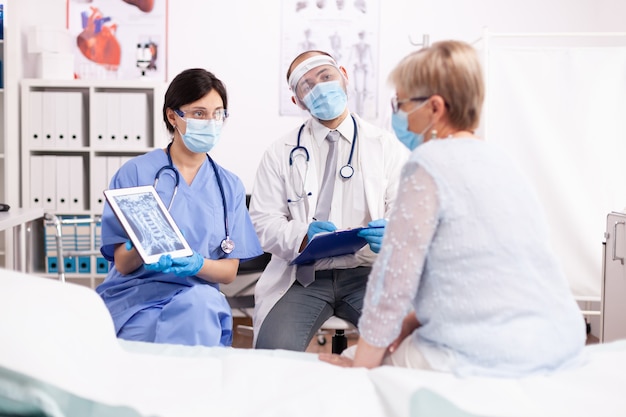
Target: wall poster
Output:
{"points": [[119, 39], [348, 30]]}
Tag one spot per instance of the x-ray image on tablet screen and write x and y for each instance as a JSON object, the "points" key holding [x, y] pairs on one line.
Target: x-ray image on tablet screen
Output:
{"points": [[149, 225]]}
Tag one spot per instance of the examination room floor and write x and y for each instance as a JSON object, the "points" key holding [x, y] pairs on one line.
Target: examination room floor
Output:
{"points": [[244, 341]]}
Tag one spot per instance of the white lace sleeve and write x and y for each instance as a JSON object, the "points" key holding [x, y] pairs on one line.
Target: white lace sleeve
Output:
{"points": [[396, 274]]}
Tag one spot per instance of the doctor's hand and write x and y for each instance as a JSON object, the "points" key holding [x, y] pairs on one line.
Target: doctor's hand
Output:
{"points": [[374, 235], [164, 262], [186, 266], [318, 227]]}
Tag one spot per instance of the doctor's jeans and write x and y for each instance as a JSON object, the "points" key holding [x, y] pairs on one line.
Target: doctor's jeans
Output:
{"points": [[297, 316]]}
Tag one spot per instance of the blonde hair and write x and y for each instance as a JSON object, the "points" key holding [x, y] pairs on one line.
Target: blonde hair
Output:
{"points": [[450, 69]]}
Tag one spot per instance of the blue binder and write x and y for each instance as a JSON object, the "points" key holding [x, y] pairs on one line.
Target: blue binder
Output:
{"points": [[328, 245]]}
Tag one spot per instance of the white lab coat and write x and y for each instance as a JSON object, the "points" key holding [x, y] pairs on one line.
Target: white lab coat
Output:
{"points": [[281, 225]]}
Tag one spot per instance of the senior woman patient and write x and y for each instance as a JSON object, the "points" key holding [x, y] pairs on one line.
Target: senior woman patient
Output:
{"points": [[465, 281]]}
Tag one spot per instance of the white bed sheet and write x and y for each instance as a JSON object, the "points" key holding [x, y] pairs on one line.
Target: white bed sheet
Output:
{"points": [[58, 352]]}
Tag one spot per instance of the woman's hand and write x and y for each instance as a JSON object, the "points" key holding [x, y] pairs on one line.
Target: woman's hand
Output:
{"points": [[409, 324], [335, 359]]}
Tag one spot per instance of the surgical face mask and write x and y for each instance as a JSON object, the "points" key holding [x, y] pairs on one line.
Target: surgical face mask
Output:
{"points": [[326, 101], [400, 125], [201, 135]]}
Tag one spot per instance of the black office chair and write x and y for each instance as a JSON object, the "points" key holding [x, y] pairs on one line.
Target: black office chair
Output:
{"points": [[240, 294], [242, 299]]}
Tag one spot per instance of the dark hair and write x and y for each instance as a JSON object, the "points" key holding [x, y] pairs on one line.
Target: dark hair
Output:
{"points": [[189, 86]]}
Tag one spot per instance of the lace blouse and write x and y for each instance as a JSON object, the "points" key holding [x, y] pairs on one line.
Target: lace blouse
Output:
{"points": [[467, 249]]}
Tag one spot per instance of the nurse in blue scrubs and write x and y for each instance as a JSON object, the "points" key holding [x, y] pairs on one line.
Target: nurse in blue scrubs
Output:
{"points": [[177, 300]]}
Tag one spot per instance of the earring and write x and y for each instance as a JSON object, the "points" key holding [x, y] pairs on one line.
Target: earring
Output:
{"points": [[433, 134]]}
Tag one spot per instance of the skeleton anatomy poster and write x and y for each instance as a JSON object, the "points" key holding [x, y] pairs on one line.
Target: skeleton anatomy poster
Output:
{"points": [[118, 39], [348, 30]]}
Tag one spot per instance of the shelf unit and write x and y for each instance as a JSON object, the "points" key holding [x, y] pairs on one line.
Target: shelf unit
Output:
{"points": [[9, 123], [75, 135]]}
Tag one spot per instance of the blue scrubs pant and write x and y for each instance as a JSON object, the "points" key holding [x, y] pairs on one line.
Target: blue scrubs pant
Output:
{"points": [[197, 315]]}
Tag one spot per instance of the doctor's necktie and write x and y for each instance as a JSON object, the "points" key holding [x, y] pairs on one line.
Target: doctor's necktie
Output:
{"points": [[305, 274], [327, 188]]}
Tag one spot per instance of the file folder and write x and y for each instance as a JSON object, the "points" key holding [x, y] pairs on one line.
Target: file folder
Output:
{"points": [[113, 165], [62, 183], [99, 183], [113, 120], [35, 135], [49, 182], [135, 128], [75, 120], [60, 118], [98, 120], [76, 183], [36, 181], [48, 115], [331, 244]]}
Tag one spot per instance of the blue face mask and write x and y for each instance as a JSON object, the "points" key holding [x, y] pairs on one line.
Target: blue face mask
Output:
{"points": [[326, 101], [201, 135], [400, 124]]}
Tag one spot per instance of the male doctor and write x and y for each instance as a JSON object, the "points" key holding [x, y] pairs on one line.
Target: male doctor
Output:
{"points": [[336, 171]]}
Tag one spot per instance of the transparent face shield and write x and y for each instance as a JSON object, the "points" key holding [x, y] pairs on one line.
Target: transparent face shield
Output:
{"points": [[309, 73]]}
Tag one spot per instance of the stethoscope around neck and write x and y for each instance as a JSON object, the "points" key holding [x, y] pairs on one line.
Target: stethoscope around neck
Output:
{"points": [[345, 172], [227, 245]]}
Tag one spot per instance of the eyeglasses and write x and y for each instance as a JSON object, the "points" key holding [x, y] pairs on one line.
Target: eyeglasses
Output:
{"points": [[395, 103], [201, 114]]}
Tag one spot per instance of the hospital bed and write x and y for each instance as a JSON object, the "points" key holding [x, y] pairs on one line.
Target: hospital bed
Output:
{"points": [[59, 357]]}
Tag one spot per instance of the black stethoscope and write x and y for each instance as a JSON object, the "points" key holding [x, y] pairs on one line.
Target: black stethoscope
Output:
{"points": [[346, 171], [227, 245]]}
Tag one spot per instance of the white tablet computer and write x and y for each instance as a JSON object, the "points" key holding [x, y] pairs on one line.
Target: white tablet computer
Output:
{"points": [[147, 222]]}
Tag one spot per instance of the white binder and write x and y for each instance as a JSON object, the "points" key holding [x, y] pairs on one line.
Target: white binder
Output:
{"points": [[98, 183], [113, 164], [76, 183], [62, 183], [135, 127], [35, 134], [75, 120], [49, 182], [36, 181], [113, 127], [48, 114], [98, 121], [60, 118]]}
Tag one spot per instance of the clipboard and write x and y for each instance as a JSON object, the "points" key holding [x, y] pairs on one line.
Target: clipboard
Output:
{"points": [[328, 245]]}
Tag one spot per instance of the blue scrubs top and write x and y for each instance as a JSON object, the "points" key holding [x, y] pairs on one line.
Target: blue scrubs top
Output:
{"points": [[163, 308]]}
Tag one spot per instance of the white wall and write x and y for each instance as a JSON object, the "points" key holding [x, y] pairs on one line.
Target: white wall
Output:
{"points": [[240, 42]]}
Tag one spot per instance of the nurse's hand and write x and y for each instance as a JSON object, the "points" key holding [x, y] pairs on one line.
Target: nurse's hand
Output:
{"points": [[374, 234], [165, 262], [318, 227], [186, 266]]}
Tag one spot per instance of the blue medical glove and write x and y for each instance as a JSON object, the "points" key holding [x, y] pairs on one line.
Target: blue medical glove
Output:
{"points": [[374, 235], [164, 262], [186, 266], [129, 245], [317, 227]]}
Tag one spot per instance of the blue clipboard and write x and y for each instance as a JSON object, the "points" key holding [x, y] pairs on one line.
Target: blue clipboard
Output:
{"points": [[328, 245]]}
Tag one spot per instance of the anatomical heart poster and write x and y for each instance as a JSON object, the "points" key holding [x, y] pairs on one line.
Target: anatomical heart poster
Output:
{"points": [[118, 39]]}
